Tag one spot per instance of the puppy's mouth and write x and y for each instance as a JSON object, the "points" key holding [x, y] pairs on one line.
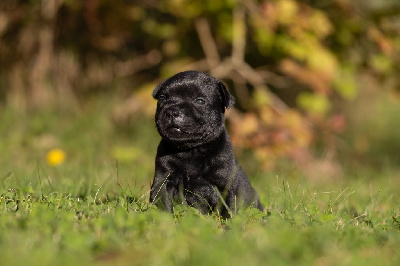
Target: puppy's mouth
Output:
{"points": [[176, 129]]}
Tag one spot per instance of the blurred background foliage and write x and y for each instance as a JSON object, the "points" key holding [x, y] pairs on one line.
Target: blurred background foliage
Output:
{"points": [[316, 82]]}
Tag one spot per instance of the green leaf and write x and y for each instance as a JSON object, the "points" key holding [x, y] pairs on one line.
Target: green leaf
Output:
{"points": [[126, 154], [382, 63], [323, 218], [345, 84], [314, 103]]}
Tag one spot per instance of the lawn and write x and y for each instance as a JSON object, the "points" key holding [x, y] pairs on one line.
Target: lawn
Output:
{"points": [[93, 208]]}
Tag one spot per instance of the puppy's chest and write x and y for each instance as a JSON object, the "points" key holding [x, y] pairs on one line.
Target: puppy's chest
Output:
{"points": [[193, 167], [189, 169]]}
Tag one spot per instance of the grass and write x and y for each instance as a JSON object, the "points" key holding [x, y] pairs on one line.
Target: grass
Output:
{"points": [[93, 211]]}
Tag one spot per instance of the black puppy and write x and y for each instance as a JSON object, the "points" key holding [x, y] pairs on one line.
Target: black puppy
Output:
{"points": [[195, 163]]}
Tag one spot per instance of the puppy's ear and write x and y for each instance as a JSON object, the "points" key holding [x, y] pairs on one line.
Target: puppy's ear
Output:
{"points": [[227, 99], [157, 90]]}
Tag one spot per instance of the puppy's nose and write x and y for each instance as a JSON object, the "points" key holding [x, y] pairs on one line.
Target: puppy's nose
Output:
{"points": [[173, 112]]}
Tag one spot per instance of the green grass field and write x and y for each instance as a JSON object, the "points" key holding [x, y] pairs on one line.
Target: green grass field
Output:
{"points": [[93, 208]]}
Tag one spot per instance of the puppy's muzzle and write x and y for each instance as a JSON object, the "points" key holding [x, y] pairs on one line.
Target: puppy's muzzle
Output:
{"points": [[172, 112], [175, 114]]}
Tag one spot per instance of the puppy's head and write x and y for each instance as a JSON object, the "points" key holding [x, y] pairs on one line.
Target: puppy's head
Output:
{"points": [[190, 109]]}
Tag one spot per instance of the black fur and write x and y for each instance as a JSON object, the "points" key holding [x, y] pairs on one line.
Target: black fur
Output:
{"points": [[195, 163]]}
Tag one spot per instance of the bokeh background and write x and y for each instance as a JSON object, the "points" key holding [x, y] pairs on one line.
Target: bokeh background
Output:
{"points": [[316, 82]]}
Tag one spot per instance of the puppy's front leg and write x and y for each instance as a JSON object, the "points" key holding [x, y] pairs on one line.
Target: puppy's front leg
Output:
{"points": [[159, 194]]}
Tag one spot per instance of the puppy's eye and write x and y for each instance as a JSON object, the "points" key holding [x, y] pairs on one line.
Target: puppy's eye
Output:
{"points": [[162, 98], [200, 101]]}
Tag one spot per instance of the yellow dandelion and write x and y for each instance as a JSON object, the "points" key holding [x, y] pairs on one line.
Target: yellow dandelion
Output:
{"points": [[55, 157]]}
